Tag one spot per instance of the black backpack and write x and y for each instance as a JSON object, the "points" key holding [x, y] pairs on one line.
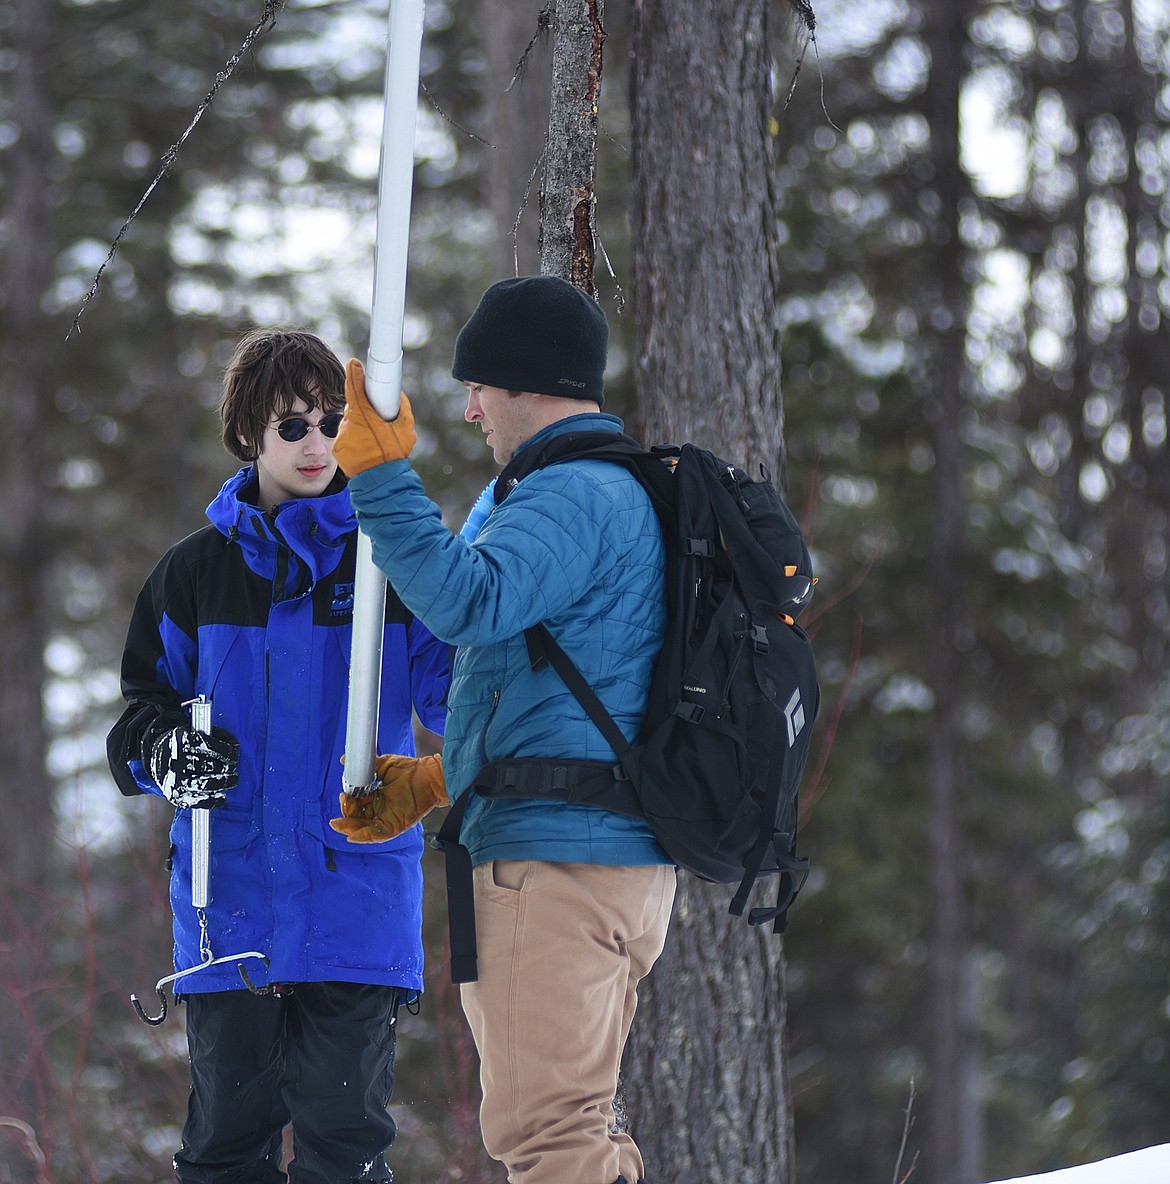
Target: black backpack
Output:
{"points": [[716, 768]]}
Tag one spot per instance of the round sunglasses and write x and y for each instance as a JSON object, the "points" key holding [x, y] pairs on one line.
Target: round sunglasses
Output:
{"points": [[297, 428]]}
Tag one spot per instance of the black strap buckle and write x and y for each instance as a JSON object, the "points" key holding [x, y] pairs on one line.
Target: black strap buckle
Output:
{"points": [[701, 547], [692, 712]]}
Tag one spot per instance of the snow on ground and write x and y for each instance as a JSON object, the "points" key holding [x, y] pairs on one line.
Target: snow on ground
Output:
{"points": [[1151, 1166]]}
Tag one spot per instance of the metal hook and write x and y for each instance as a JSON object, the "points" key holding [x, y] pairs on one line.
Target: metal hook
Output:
{"points": [[173, 978], [153, 1020], [200, 887], [249, 983]]}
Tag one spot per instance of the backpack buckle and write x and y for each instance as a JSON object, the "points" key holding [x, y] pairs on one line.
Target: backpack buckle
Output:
{"points": [[692, 712], [759, 635]]}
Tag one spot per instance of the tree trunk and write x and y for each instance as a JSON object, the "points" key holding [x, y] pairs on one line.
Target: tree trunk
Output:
{"points": [[951, 1108], [27, 348], [708, 357], [567, 206], [705, 1080]]}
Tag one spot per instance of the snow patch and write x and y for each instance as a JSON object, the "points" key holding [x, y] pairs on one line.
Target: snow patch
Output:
{"points": [[1151, 1166]]}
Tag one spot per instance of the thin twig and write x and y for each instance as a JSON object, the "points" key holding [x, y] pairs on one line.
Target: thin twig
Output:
{"points": [[805, 11], [266, 21], [524, 206], [452, 122], [543, 26], [907, 1127], [808, 19], [619, 297]]}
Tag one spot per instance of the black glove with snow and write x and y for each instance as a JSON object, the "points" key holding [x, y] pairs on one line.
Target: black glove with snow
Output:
{"points": [[193, 770]]}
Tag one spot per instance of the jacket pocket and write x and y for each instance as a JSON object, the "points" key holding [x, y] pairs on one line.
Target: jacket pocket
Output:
{"points": [[231, 830], [316, 818]]}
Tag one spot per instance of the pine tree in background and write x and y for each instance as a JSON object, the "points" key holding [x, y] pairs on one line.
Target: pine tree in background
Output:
{"points": [[706, 1075], [264, 215], [1062, 569], [1055, 226]]}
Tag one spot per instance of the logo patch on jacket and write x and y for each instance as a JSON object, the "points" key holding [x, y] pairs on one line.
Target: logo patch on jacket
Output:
{"points": [[342, 603]]}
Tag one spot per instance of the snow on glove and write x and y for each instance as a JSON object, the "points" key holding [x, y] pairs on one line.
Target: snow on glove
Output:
{"points": [[408, 788], [193, 770], [365, 439]]}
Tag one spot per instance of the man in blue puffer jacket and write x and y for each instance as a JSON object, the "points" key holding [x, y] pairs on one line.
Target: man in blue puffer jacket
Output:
{"points": [[572, 902], [255, 612]]}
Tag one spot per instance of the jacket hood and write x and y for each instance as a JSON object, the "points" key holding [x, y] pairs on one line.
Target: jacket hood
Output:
{"points": [[312, 527]]}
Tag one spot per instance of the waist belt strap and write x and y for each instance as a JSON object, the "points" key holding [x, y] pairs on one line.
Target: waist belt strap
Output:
{"points": [[582, 783], [460, 893], [577, 783]]}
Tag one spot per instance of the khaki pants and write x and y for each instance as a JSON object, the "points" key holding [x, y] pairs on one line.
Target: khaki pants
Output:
{"points": [[562, 947]]}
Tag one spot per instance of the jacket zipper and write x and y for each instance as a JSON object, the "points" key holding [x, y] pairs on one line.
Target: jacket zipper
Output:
{"points": [[487, 723]]}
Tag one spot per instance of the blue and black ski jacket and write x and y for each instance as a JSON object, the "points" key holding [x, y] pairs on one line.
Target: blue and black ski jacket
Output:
{"points": [[255, 612]]}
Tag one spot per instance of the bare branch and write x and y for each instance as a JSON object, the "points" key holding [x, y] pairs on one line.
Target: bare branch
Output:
{"points": [[458, 126], [543, 28], [803, 11], [524, 206], [266, 21], [619, 296], [907, 1127]]}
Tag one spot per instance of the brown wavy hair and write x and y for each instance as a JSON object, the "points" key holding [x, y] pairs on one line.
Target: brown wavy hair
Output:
{"points": [[269, 371]]}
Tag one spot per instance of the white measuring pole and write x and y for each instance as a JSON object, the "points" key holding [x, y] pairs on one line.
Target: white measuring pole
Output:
{"points": [[384, 367], [200, 819]]}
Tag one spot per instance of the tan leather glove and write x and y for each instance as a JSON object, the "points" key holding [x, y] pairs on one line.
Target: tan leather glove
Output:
{"points": [[408, 788], [365, 439]]}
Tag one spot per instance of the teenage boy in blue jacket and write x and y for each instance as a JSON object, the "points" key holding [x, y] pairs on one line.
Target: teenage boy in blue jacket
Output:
{"points": [[572, 902], [255, 612]]}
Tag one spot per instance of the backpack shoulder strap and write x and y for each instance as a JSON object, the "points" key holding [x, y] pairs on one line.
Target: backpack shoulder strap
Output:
{"points": [[650, 468], [652, 471], [543, 650], [648, 465]]}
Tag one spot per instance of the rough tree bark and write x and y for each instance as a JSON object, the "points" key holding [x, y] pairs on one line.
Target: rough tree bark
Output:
{"points": [[706, 1087], [27, 348], [567, 206]]}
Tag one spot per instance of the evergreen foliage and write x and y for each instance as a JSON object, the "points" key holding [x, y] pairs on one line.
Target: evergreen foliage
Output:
{"points": [[1062, 567], [267, 215]]}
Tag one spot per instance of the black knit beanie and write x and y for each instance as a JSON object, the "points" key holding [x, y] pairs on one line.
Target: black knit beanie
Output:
{"points": [[535, 333]]}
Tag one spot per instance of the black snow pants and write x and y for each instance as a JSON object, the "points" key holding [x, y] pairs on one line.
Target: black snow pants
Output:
{"points": [[320, 1057]]}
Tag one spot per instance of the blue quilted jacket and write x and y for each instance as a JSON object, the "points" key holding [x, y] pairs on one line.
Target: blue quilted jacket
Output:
{"points": [[576, 545], [255, 611]]}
